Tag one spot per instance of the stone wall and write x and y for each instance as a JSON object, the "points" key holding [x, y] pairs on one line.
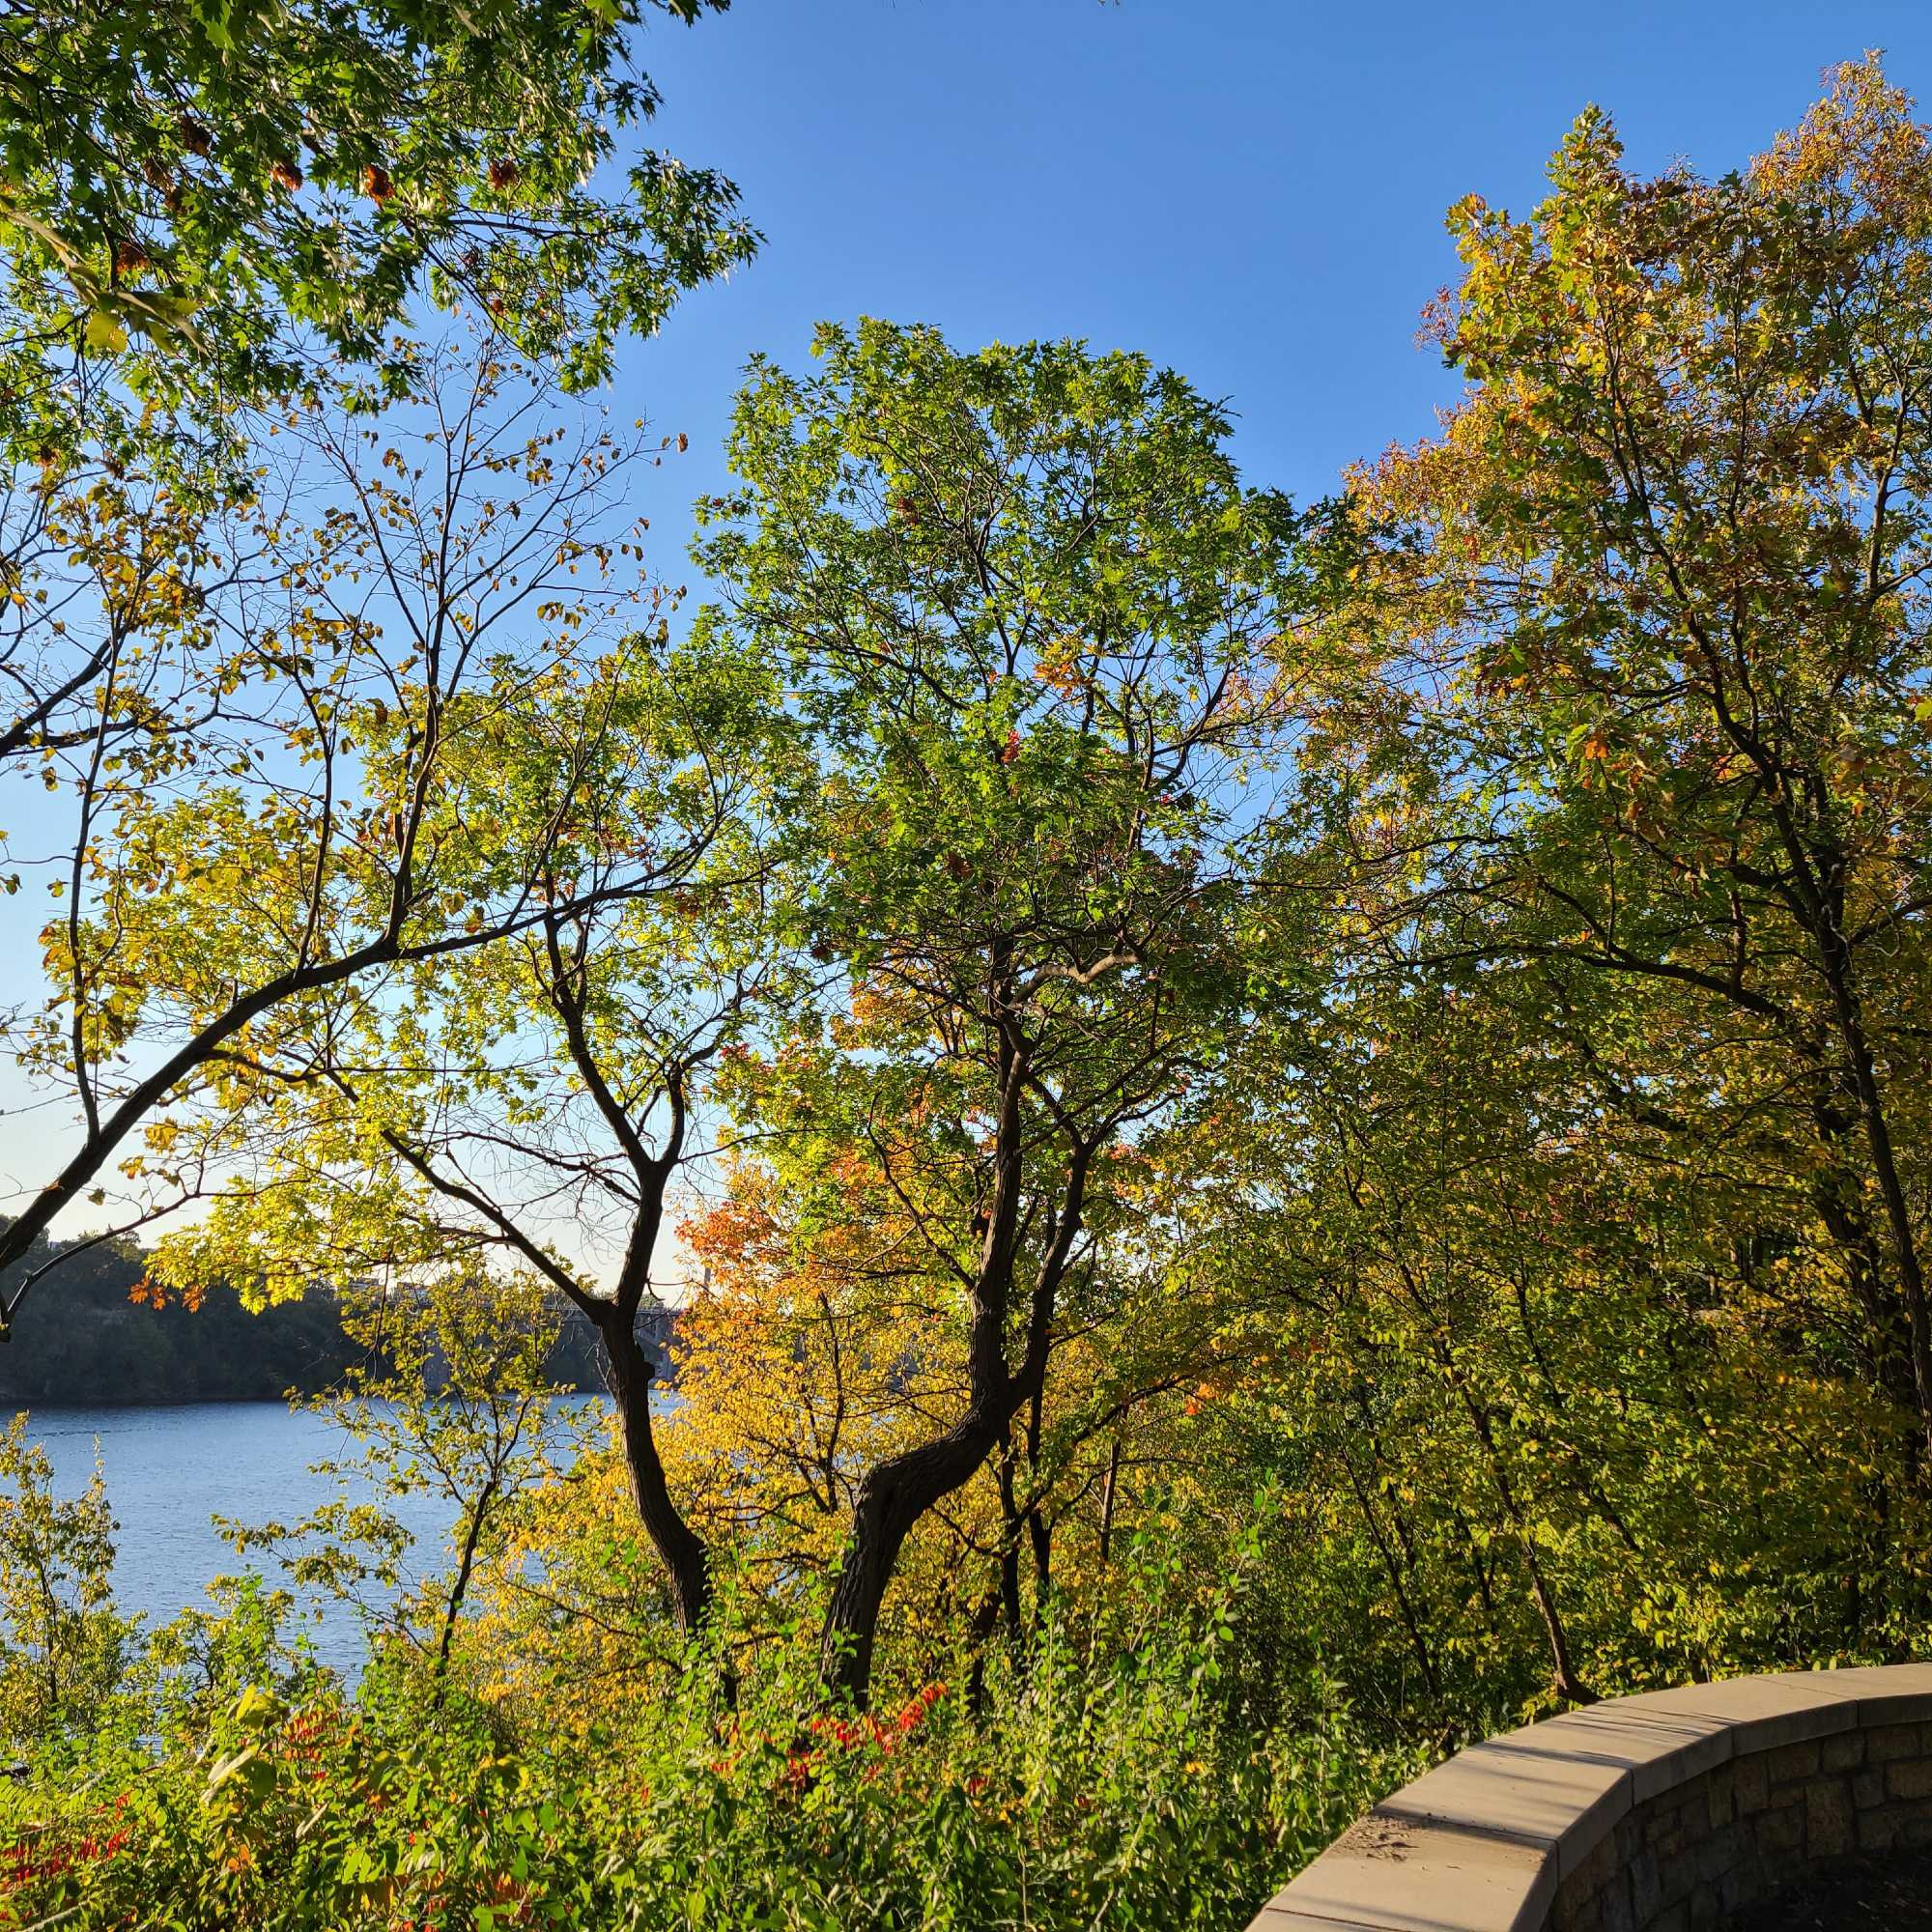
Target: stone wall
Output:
{"points": [[1660, 1813]]}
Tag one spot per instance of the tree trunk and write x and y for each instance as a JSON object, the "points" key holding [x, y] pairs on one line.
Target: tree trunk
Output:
{"points": [[1040, 1533], [892, 1498], [1107, 1491], [1392, 1567], [1010, 1553], [631, 1373], [472, 1537], [1563, 1672], [896, 1493], [1885, 1168], [1888, 1329]]}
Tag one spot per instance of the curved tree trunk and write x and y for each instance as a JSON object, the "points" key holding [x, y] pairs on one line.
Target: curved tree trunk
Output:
{"points": [[892, 1498], [631, 1374], [472, 1537]]}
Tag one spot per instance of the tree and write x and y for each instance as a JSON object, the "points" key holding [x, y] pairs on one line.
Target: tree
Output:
{"points": [[354, 642], [1651, 616], [540, 1100], [821, 1344], [1026, 601], [193, 193], [451, 1400], [62, 1649], [1543, 1425], [205, 212]]}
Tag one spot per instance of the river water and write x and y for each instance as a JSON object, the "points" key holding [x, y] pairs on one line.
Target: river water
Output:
{"points": [[170, 1471]]}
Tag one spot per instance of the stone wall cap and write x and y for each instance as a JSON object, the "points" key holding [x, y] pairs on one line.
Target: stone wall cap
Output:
{"points": [[1886, 1694], [1396, 1875], [1762, 1712], [1515, 1787], [1658, 1744], [1480, 1843], [1274, 1917]]}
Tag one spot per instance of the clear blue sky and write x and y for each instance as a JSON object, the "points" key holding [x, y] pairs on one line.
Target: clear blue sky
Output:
{"points": [[1249, 190]]}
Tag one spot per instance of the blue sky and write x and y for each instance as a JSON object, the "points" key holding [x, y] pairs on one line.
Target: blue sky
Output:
{"points": [[1249, 190]]}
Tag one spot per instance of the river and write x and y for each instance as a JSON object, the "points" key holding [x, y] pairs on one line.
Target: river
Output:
{"points": [[170, 1471]]}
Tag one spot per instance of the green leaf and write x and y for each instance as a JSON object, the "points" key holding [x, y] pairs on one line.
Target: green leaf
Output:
{"points": [[103, 334]]}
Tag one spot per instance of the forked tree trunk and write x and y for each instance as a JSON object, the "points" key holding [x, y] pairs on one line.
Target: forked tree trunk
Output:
{"points": [[892, 1498], [896, 1493]]}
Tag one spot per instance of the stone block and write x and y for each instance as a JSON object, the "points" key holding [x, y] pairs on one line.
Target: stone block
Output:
{"points": [[1844, 1753], [1909, 1777], [1720, 1796], [1886, 1741], [1878, 1828], [1646, 1886], [1867, 1789], [1661, 1824], [1752, 1784], [1400, 1875], [1829, 1828], [1584, 1916], [1780, 1831], [1710, 1858], [1617, 1912], [1788, 1764], [1601, 1867]]}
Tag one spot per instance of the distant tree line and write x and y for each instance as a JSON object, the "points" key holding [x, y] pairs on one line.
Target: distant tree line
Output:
{"points": [[119, 1342]]}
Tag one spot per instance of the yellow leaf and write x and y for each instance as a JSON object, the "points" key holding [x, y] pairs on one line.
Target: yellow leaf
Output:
{"points": [[103, 334]]}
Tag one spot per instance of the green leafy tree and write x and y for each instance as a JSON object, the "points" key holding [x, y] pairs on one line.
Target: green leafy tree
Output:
{"points": [[61, 1639], [541, 1099], [451, 1403], [192, 192], [1027, 604], [359, 638], [1649, 620]]}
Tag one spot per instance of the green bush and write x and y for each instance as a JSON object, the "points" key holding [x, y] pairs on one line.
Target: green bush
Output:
{"points": [[1108, 1778]]}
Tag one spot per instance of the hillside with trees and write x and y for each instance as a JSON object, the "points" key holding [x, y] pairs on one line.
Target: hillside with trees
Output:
{"points": [[1306, 1123], [110, 1348], [121, 1339]]}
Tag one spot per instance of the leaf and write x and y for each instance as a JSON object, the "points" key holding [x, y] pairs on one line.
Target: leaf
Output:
{"points": [[103, 334]]}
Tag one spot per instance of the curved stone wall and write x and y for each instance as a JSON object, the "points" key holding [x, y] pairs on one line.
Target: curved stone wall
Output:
{"points": [[1661, 1813]]}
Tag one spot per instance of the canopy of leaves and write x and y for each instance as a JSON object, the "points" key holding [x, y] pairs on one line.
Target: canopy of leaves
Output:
{"points": [[1651, 619], [189, 191]]}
